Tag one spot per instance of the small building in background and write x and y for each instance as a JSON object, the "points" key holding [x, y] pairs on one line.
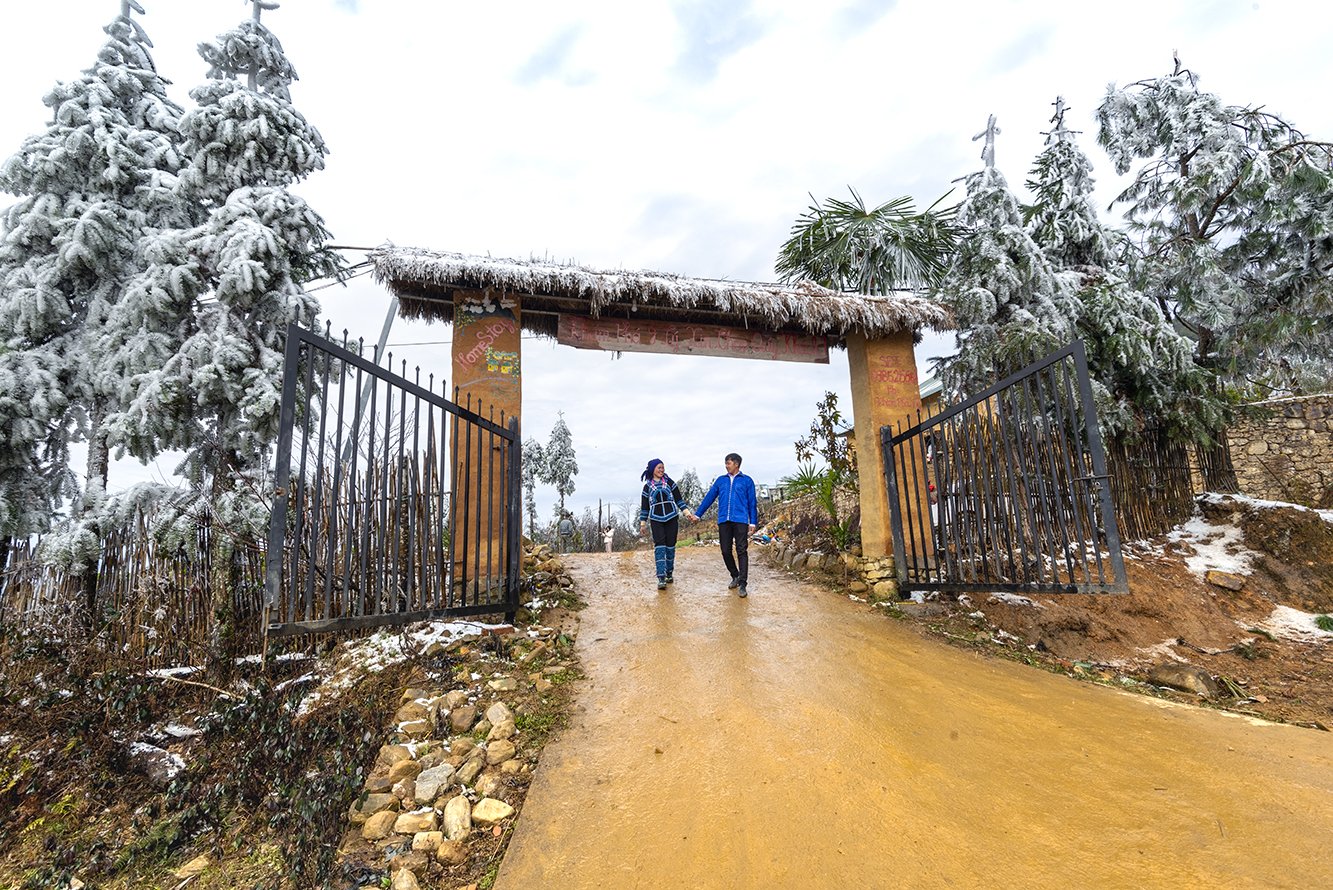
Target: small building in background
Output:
{"points": [[932, 392]]}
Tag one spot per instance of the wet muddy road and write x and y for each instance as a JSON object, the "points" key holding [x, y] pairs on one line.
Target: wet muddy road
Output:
{"points": [[799, 739]]}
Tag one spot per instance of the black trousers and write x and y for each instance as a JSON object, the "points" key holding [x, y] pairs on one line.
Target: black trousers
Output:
{"points": [[665, 533], [735, 534]]}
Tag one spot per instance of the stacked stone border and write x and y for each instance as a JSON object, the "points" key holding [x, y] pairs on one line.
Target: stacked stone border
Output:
{"points": [[872, 578], [456, 763], [1283, 450]]}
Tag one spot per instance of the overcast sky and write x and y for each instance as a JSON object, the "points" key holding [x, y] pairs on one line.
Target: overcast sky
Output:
{"points": [[682, 137]]}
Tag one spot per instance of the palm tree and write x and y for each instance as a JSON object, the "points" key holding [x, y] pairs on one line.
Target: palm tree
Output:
{"points": [[844, 246]]}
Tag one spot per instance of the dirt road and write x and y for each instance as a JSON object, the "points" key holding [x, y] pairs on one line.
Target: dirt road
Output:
{"points": [[799, 739]]}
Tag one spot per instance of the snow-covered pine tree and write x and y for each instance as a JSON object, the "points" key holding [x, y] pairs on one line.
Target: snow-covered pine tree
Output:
{"points": [[34, 445], [1063, 221], [559, 466], [234, 281], [1009, 303], [533, 459], [1233, 209], [691, 487], [1140, 366], [90, 186]]}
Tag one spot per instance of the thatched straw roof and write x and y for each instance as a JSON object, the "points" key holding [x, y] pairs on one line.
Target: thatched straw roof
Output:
{"points": [[425, 282]]}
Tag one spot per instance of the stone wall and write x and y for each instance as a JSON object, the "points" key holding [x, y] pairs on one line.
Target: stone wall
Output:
{"points": [[874, 577], [1285, 453]]}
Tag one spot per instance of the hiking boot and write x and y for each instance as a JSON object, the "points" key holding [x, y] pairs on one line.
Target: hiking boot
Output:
{"points": [[735, 582], [670, 580], [743, 592], [661, 583]]}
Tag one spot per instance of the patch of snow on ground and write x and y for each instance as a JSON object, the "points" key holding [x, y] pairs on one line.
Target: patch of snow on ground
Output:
{"points": [[385, 648], [1163, 650], [177, 731], [1139, 549], [1013, 599], [1293, 624], [1213, 497], [174, 672], [305, 678], [172, 763], [1216, 547], [286, 656]]}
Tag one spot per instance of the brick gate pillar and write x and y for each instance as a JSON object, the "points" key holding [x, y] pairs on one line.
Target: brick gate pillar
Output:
{"points": [[884, 391], [486, 351], [487, 375]]}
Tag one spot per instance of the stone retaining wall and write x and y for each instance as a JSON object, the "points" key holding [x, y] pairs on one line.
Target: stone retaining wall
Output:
{"points": [[1286, 455], [871, 578]]}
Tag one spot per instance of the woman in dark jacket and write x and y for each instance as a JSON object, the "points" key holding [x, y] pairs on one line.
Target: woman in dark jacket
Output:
{"points": [[661, 506]]}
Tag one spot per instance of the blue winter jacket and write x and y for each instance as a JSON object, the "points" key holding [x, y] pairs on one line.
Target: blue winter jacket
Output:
{"points": [[735, 498]]}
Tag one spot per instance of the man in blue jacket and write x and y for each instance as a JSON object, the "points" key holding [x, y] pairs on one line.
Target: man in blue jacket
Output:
{"points": [[737, 513]]}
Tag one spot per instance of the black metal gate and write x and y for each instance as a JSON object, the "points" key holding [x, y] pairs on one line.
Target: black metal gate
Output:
{"points": [[1007, 491], [392, 503]]}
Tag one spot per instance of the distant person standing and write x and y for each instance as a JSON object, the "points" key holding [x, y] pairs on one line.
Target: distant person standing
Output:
{"points": [[566, 530], [737, 514], [660, 506], [609, 536]]}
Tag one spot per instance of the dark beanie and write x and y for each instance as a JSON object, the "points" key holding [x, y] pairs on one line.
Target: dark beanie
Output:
{"points": [[652, 465]]}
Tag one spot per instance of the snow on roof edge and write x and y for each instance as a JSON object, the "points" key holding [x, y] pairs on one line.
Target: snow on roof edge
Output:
{"points": [[806, 304]]}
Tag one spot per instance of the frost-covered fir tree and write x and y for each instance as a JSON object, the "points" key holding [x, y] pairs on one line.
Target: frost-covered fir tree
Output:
{"points": [[234, 281], [1009, 303], [533, 460], [90, 186], [691, 487], [1141, 367], [1063, 220], [1233, 209], [34, 446], [231, 283], [559, 466]]}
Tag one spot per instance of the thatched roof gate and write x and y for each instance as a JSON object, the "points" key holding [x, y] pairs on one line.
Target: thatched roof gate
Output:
{"points": [[493, 298], [425, 282]]}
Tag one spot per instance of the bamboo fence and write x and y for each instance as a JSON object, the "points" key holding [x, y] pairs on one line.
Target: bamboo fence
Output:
{"points": [[152, 605]]}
